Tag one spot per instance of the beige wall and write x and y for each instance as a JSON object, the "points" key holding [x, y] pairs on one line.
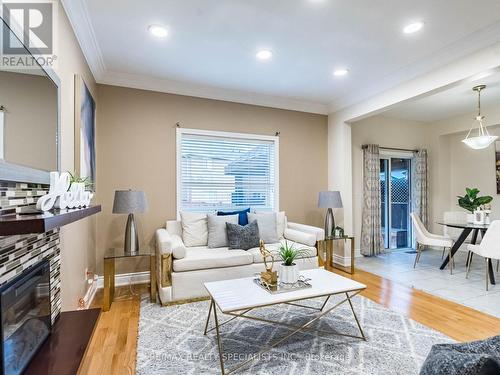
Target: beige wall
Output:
{"points": [[137, 150], [77, 239], [457, 166], [387, 132], [30, 120]]}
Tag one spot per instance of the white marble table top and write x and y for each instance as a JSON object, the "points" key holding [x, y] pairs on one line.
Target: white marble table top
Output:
{"points": [[241, 294]]}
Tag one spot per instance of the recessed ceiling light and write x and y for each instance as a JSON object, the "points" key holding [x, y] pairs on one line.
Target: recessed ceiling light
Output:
{"points": [[158, 31], [341, 72], [413, 27], [264, 54]]}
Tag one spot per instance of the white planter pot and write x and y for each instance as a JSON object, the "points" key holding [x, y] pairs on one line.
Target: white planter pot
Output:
{"points": [[288, 274], [470, 218], [75, 186]]}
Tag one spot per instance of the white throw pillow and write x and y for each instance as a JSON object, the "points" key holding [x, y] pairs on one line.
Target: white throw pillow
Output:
{"points": [[217, 234], [194, 229], [267, 226], [280, 222]]}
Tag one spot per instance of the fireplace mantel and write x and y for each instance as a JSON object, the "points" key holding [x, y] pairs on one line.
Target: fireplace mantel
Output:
{"points": [[16, 224]]}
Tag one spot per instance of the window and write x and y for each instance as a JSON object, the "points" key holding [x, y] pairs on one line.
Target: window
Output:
{"points": [[219, 170]]}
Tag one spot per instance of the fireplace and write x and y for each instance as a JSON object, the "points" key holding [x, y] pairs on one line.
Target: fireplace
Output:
{"points": [[25, 316]]}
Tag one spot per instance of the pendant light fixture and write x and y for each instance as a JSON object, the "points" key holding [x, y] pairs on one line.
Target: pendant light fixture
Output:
{"points": [[483, 138]]}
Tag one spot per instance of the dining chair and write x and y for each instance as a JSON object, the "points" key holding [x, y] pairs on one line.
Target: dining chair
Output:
{"points": [[453, 233], [425, 238], [488, 248]]}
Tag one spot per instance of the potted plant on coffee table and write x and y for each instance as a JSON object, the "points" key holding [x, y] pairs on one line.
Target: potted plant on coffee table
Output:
{"points": [[288, 270]]}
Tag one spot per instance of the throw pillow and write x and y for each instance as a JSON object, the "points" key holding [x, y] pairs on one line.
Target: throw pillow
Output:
{"points": [[243, 237], [281, 222], [194, 229], [242, 215], [267, 226], [217, 234]]}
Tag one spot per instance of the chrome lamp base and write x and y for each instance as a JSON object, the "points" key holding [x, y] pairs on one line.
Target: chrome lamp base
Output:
{"points": [[329, 224], [131, 239]]}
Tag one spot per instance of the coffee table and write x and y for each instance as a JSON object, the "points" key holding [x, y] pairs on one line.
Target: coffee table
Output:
{"points": [[240, 296]]}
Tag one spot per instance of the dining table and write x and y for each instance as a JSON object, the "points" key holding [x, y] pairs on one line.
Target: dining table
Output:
{"points": [[467, 229]]}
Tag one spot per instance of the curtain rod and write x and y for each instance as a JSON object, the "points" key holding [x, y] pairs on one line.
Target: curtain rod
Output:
{"points": [[392, 148]]}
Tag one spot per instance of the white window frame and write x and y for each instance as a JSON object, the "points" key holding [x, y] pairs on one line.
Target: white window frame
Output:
{"points": [[274, 139]]}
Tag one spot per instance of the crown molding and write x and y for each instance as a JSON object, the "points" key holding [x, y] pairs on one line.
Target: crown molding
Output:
{"points": [[79, 18], [210, 92]]}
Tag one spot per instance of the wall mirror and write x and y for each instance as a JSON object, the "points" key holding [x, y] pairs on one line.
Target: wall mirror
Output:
{"points": [[29, 121]]}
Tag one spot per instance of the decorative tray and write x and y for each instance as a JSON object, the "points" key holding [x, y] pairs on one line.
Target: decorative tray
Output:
{"points": [[302, 283]]}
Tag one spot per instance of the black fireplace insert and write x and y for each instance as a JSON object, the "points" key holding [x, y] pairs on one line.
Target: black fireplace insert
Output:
{"points": [[25, 315]]}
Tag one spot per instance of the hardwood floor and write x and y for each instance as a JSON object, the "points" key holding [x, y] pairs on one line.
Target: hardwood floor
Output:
{"points": [[113, 346], [112, 349]]}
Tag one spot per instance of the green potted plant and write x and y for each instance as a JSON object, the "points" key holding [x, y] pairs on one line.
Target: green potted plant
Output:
{"points": [[289, 271], [84, 181], [471, 201]]}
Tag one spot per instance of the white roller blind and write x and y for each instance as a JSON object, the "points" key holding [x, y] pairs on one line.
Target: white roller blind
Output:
{"points": [[225, 171]]}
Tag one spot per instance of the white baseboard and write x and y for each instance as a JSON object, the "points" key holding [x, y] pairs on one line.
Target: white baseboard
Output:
{"points": [[343, 261], [87, 299], [126, 279]]}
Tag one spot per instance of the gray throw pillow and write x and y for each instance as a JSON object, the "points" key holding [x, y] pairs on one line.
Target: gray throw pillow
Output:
{"points": [[217, 235], [243, 237], [267, 226]]}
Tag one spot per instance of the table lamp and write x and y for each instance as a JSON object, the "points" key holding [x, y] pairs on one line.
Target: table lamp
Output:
{"points": [[329, 200], [130, 202]]}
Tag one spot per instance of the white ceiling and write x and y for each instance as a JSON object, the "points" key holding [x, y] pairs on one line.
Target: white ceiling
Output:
{"points": [[210, 51], [457, 100]]}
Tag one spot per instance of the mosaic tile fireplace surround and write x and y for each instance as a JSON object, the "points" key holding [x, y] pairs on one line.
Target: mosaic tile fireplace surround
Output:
{"points": [[19, 252]]}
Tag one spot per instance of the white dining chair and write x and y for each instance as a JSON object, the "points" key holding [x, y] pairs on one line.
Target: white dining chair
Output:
{"points": [[425, 238], [488, 248], [453, 233]]}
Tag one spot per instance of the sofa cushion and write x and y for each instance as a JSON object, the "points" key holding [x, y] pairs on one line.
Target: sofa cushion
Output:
{"points": [[243, 237], [217, 233], [203, 258], [310, 251], [194, 229], [267, 226], [242, 215]]}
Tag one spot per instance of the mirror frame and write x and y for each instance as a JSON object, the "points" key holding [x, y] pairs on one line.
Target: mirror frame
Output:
{"points": [[19, 173]]}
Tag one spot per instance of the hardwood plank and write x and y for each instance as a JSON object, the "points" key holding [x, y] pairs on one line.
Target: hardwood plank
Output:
{"points": [[113, 347]]}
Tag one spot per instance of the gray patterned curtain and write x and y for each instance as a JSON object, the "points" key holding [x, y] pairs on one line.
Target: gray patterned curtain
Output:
{"points": [[419, 185], [371, 236]]}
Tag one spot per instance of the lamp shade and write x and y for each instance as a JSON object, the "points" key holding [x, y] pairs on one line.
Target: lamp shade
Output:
{"points": [[329, 199], [129, 202]]}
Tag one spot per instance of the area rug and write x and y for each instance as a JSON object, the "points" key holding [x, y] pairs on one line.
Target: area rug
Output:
{"points": [[171, 341]]}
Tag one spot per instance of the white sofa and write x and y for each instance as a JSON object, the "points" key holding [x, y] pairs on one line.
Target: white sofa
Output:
{"points": [[181, 270]]}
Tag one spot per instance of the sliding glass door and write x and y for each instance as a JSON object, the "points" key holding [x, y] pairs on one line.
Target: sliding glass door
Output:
{"points": [[395, 190]]}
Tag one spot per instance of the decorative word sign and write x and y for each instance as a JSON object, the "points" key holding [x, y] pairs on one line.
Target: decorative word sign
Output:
{"points": [[64, 194]]}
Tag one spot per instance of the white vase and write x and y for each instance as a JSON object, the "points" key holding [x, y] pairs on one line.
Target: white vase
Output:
{"points": [[470, 218], [288, 274]]}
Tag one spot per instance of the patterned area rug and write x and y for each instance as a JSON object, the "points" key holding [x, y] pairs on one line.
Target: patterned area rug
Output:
{"points": [[171, 341]]}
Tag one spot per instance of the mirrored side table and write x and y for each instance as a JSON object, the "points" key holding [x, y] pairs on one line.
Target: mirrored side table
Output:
{"points": [[109, 272], [331, 246]]}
